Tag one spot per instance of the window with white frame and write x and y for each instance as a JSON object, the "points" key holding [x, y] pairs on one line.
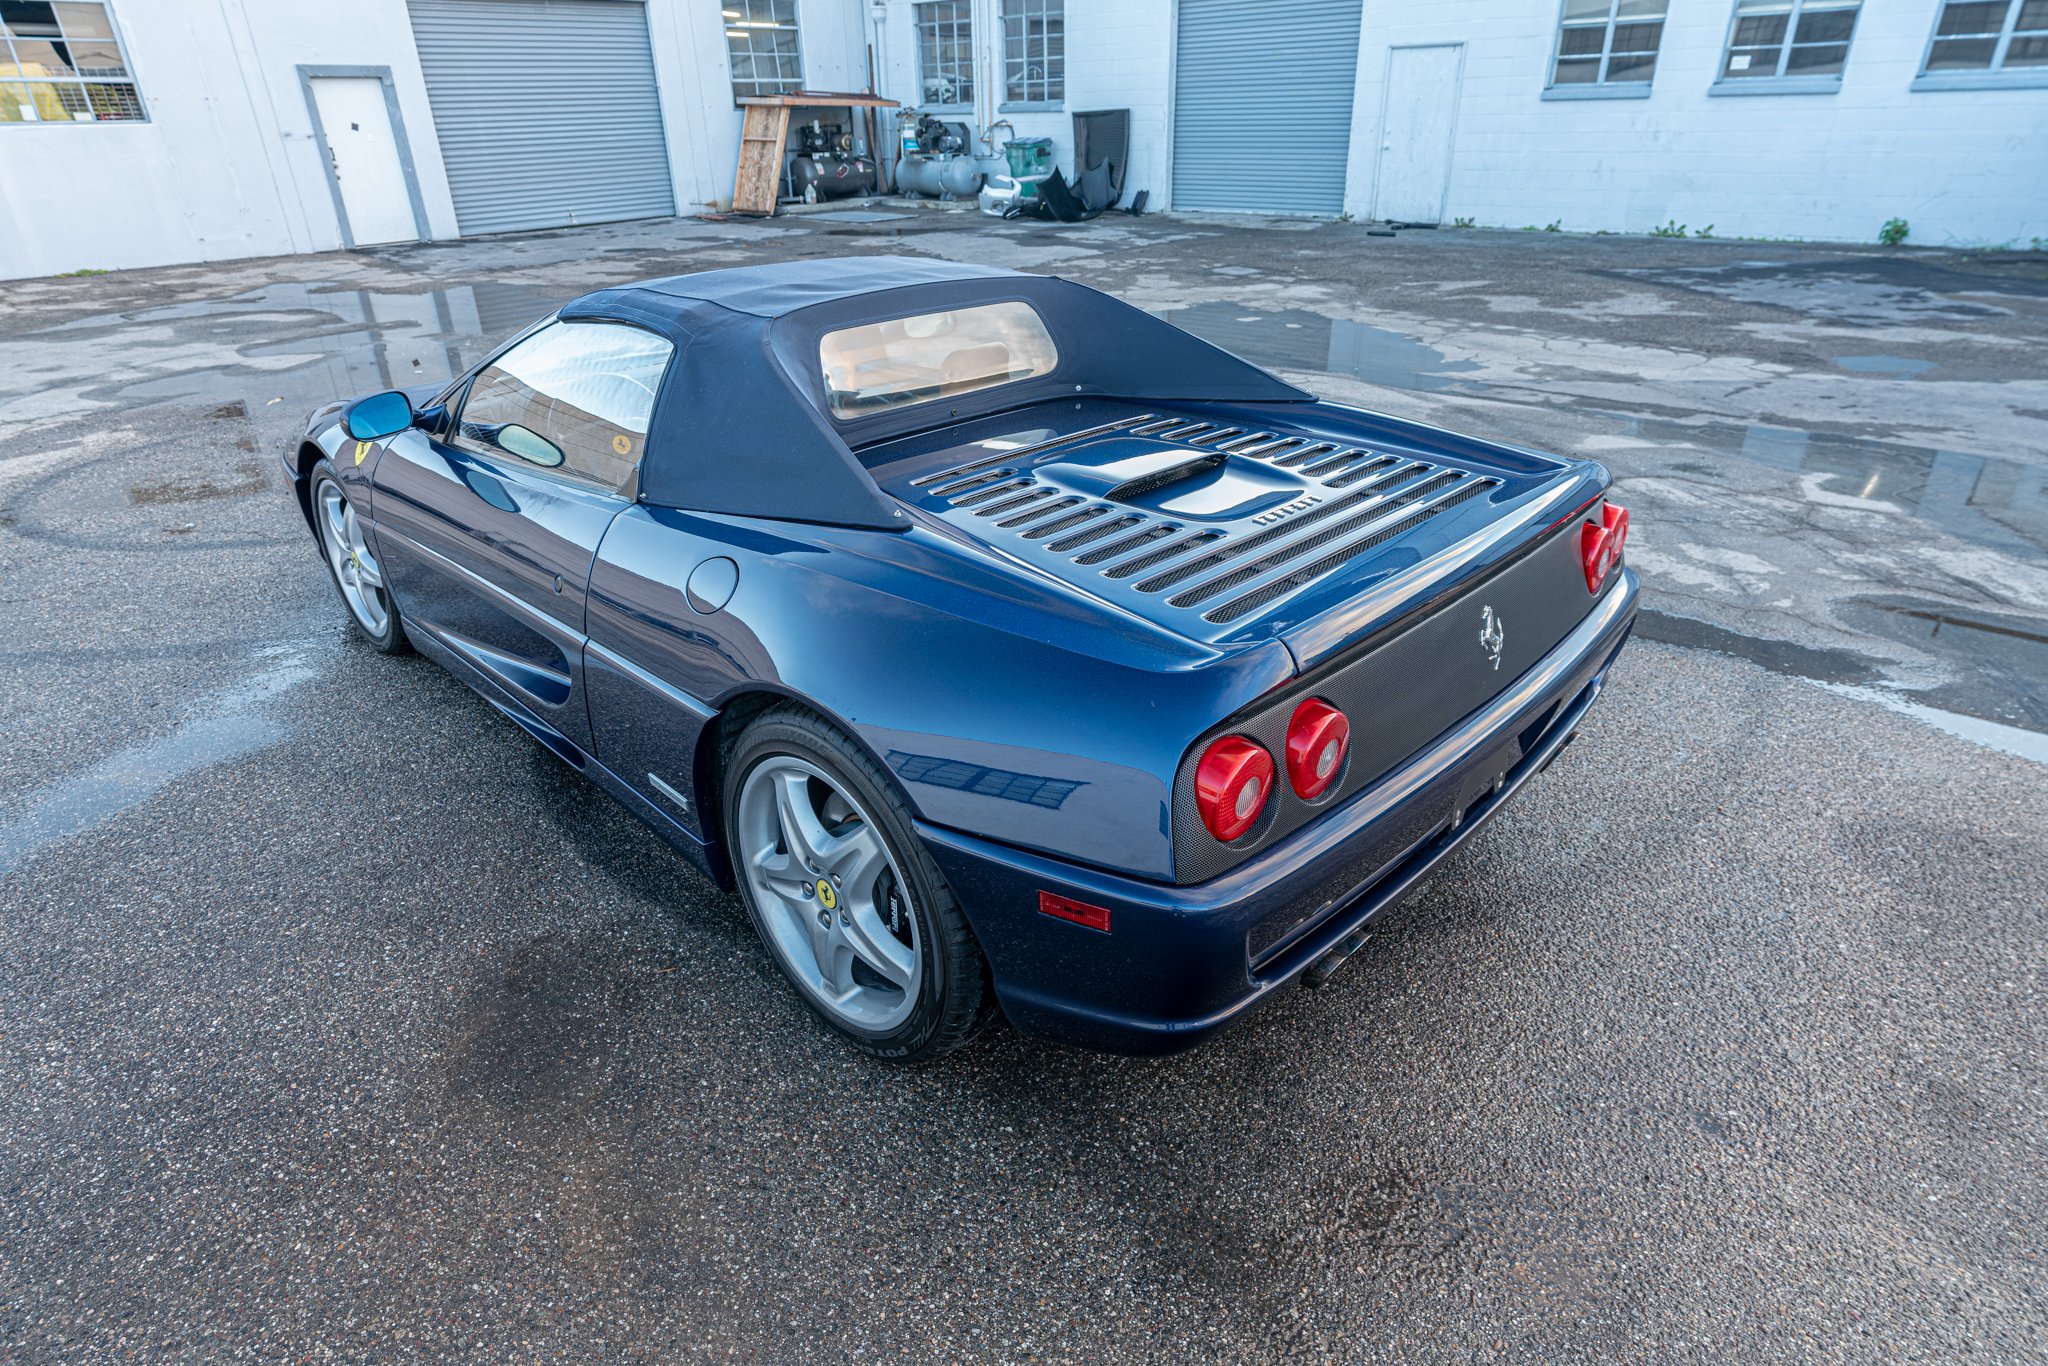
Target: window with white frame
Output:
{"points": [[63, 63], [761, 38], [1034, 51], [945, 52], [1793, 38], [1974, 36], [1608, 42]]}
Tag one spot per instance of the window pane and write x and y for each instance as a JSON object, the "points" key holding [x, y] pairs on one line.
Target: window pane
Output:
{"points": [[587, 389], [1766, 31], [2027, 52], [38, 58], [29, 20], [1962, 54], [933, 355], [1972, 16], [1636, 38], [1578, 42], [84, 21], [2033, 16], [1763, 6], [15, 106], [1824, 59], [114, 102], [97, 57], [1827, 26], [1578, 10], [1753, 61], [1631, 68], [1577, 71], [1640, 9]]}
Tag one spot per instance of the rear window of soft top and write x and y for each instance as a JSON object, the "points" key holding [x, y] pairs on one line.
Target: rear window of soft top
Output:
{"points": [[904, 361]]}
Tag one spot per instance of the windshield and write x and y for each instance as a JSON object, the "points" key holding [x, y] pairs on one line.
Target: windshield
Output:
{"points": [[933, 355]]}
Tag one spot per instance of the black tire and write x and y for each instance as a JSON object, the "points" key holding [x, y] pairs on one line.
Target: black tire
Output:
{"points": [[390, 639], [954, 1000]]}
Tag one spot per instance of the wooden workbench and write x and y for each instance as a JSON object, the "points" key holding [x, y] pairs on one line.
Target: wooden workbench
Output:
{"points": [[764, 132]]}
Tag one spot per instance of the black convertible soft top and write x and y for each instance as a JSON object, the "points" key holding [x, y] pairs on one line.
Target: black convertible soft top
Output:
{"points": [[742, 423]]}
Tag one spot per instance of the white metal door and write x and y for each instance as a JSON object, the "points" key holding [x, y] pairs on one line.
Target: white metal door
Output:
{"points": [[362, 156], [1418, 122]]}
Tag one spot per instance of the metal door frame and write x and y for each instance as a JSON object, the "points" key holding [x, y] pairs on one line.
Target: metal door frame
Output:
{"points": [[309, 74], [1386, 88]]}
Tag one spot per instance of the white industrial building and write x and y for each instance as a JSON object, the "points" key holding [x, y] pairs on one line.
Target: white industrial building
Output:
{"points": [[144, 132]]}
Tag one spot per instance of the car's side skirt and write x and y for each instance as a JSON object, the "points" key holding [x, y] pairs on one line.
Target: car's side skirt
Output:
{"points": [[698, 851]]}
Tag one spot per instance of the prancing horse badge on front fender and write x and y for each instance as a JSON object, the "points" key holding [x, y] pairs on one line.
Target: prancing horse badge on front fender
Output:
{"points": [[1492, 634]]}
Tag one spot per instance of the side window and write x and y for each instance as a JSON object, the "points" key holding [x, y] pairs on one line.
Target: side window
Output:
{"points": [[573, 397]]}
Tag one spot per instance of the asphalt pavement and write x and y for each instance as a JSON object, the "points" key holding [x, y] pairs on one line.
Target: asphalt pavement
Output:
{"points": [[338, 1020]]}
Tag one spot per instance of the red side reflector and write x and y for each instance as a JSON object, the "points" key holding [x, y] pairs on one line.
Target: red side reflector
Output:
{"points": [[1080, 912]]}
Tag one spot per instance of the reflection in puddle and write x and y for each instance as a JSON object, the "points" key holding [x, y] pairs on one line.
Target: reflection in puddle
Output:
{"points": [[334, 342], [227, 726], [1979, 498], [1294, 339], [1905, 367], [1984, 499]]}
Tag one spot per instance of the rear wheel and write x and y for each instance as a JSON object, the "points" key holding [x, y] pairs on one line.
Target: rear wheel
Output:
{"points": [[357, 575], [844, 895]]}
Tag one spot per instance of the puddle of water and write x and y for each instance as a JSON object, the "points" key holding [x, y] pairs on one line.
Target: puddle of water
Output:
{"points": [[226, 727], [1984, 499], [1295, 339], [1849, 674], [2000, 672], [1978, 498], [308, 343], [1905, 367], [2010, 739]]}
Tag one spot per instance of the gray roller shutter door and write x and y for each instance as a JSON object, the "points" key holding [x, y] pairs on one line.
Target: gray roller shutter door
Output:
{"points": [[546, 111], [1262, 104]]}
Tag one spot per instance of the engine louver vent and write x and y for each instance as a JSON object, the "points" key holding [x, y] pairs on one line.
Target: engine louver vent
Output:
{"points": [[1363, 498]]}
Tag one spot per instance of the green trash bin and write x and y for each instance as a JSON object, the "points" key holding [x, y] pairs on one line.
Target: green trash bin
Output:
{"points": [[1030, 161]]}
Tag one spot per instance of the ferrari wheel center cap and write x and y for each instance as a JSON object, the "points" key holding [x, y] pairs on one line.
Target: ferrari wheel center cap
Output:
{"points": [[826, 896]]}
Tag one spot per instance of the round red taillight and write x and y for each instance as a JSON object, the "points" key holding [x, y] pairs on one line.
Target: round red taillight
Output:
{"points": [[1600, 544], [1318, 736], [1232, 783]]}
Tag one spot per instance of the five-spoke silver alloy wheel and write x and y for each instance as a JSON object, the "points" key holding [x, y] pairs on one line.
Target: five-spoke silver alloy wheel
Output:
{"points": [[348, 554], [830, 898]]}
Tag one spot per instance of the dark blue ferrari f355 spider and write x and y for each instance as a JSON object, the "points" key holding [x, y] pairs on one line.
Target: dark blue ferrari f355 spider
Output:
{"points": [[1003, 645]]}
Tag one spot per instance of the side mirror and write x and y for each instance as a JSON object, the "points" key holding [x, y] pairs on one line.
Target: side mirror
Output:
{"points": [[529, 445], [378, 416]]}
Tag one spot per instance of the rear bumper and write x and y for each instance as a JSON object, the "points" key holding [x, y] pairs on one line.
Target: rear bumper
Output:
{"points": [[1178, 963]]}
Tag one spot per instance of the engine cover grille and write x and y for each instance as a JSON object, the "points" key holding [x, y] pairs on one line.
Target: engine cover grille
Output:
{"points": [[1215, 521]]}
